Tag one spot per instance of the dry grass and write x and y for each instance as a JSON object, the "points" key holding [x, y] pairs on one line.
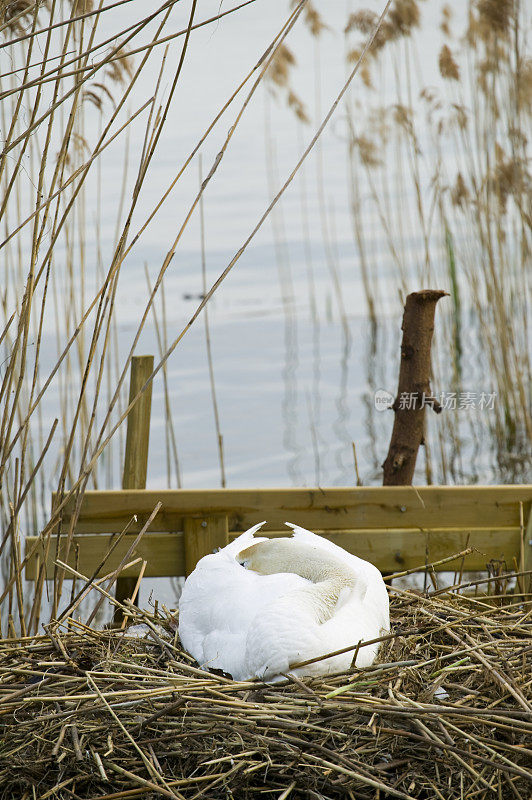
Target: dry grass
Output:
{"points": [[446, 712]]}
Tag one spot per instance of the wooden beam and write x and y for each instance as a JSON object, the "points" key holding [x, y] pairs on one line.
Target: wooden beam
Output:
{"points": [[203, 535], [390, 550], [315, 508], [137, 446], [164, 553]]}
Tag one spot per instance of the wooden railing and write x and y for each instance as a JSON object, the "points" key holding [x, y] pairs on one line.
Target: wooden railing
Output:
{"points": [[395, 528]]}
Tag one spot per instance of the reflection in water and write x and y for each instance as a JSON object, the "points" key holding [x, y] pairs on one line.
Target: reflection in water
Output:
{"points": [[329, 238], [288, 300], [319, 443], [374, 380], [340, 425], [290, 399]]}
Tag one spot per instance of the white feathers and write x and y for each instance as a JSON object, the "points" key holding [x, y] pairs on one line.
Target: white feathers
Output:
{"points": [[259, 621]]}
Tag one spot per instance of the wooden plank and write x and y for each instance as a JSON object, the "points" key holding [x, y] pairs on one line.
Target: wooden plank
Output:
{"points": [[322, 509], [396, 550], [137, 445], [164, 552], [389, 550], [203, 535]]}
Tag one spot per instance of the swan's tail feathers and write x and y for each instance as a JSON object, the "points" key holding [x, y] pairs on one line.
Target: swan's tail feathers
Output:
{"points": [[244, 540]]}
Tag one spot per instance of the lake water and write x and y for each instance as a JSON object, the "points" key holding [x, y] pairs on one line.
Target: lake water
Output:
{"points": [[294, 385]]}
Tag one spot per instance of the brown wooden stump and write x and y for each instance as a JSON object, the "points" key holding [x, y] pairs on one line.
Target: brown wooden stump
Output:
{"points": [[413, 391]]}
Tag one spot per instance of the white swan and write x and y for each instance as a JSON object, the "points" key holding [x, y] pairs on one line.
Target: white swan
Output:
{"points": [[259, 606]]}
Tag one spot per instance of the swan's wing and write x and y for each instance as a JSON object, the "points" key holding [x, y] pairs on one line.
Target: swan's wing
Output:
{"points": [[307, 537], [223, 650], [290, 633], [218, 605], [285, 635], [217, 598]]}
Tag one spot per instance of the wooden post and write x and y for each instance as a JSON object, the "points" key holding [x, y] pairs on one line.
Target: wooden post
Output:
{"points": [[202, 536], [137, 442], [413, 392]]}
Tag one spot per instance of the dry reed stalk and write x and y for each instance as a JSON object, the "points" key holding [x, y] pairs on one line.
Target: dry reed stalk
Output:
{"points": [[125, 558], [219, 437], [157, 284], [82, 420], [161, 333], [58, 211], [117, 55], [82, 400], [100, 445], [234, 260]]}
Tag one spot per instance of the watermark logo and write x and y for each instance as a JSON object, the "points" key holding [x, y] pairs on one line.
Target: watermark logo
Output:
{"points": [[444, 401], [383, 400]]}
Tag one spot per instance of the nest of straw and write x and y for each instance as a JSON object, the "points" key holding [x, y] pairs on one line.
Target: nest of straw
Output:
{"points": [[445, 713]]}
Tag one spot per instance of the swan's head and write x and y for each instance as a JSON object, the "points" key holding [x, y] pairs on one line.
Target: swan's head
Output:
{"points": [[270, 557]]}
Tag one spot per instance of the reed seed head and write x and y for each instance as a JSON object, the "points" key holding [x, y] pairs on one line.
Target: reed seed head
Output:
{"points": [[13, 13], [459, 192], [460, 117], [364, 21], [298, 107], [314, 20], [368, 152], [92, 97], [445, 24], [404, 16], [448, 67], [510, 178], [524, 85], [495, 17], [364, 70], [120, 69], [279, 69]]}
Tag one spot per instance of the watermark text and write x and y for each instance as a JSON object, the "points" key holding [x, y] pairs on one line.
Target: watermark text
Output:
{"points": [[443, 401]]}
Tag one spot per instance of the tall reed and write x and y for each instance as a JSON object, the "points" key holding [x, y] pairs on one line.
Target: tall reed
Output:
{"points": [[59, 339], [456, 156]]}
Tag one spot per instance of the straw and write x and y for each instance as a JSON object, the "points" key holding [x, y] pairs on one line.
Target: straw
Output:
{"points": [[443, 712]]}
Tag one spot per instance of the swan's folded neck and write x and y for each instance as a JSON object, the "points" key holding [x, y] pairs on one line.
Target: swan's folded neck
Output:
{"points": [[329, 576]]}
